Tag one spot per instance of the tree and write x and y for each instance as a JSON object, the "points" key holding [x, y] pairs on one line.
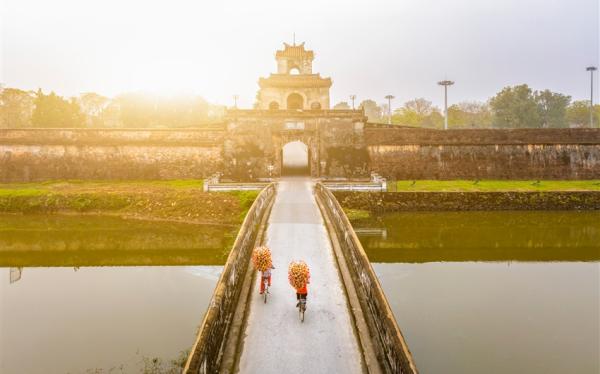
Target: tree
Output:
{"points": [[136, 110], [552, 108], [515, 107], [419, 113], [469, 114], [372, 110], [578, 114], [16, 107], [420, 106], [93, 105], [142, 110], [341, 105], [54, 111]]}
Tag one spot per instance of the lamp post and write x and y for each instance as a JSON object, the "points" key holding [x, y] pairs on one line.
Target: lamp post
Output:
{"points": [[352, 97], [591, 69], [446, 83], [389, 99], [235, 99]]}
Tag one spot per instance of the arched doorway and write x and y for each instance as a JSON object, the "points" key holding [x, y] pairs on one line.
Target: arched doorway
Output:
{"points": [[274, 105], [295, 159], [295, 101]]}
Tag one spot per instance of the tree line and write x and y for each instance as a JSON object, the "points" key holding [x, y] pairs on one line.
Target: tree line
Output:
{"points": [[19, 108], [513, 107]]}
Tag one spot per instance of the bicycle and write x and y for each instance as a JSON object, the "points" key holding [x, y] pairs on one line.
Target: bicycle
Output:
{"points": [[265, 288], [301, 309]]}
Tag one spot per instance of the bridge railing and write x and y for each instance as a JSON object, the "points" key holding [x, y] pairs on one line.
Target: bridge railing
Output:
{"points": [[206, 354], [392, 350]]}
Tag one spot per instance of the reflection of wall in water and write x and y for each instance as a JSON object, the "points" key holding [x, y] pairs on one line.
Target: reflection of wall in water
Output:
{"points": [[483, 236]]}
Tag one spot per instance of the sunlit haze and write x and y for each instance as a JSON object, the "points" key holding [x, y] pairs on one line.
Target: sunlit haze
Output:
{"points": [[369, 48]]}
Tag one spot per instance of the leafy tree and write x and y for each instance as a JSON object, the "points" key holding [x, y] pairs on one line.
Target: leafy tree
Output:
{"points": [[93, 105], [111, 115], [54, 111], [16, 107], [136, 110], [469, 114], [141, 110], [419, 113], [341, 105], [372, 110], [420, 106], [552, 108], [515, 107], [578, 114]]}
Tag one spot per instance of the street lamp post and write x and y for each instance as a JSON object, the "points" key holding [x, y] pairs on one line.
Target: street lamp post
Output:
{"points": [[235, 99], [591, 69], [446, 83], [389, 99], [352, 97]]}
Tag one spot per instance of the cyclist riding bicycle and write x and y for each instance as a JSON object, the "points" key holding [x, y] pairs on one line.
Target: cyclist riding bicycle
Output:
{"points": [[265, 275], [302, 293]]}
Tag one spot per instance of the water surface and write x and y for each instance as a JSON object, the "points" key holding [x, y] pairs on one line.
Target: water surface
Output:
{"points": [[492, 292], [62, 310]]}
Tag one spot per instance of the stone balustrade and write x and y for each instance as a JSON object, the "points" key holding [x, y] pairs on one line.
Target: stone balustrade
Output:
{"points": [[207, 352], [391, 349]]}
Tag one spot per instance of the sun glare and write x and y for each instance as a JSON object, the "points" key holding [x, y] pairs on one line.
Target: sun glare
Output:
{"points": [[166, 77]]}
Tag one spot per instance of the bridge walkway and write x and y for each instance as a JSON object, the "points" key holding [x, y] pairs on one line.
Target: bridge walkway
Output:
{"points": [[275, 340]]}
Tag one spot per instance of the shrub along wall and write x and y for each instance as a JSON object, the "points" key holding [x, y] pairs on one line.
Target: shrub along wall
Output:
{"points": [[431, 201]]}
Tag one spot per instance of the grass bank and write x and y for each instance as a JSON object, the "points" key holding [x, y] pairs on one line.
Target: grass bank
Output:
{"points": [[494, 185], [174, 200]]}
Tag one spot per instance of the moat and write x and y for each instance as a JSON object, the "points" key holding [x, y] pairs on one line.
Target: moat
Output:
{"points": [[80, 316], [513, 291], [492, 292]]}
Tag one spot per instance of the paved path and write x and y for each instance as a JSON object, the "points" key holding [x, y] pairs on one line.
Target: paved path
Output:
{"points": [[276, 341]]}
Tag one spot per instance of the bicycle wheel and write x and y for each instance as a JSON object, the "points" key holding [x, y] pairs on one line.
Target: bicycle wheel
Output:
{"points": [[266, 292], [302, 309]]}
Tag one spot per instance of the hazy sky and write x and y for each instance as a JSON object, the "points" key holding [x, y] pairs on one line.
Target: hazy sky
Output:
{"points": [[369, 48]]}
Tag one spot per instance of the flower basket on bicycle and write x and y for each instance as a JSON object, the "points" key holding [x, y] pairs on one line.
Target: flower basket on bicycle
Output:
{"points": [[261, 258]]}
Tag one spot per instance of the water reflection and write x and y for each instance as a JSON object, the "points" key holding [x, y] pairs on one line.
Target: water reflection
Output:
{"points": [[492, 292], [83, 314], [32, 240], [482, 236]]}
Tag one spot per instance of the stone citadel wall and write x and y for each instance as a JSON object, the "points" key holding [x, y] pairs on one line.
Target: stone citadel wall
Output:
{"points": [[44, 154], [484, 153], [397, 153]]}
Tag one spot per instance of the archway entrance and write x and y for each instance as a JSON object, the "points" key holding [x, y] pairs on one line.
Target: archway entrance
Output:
{"points": [[295, 101], [295, 159]]}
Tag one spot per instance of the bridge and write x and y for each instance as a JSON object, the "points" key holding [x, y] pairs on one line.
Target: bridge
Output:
{"points": [[349, 326]]}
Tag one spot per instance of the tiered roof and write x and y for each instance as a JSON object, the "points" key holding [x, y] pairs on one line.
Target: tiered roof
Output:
{"points": [[295, 51]]}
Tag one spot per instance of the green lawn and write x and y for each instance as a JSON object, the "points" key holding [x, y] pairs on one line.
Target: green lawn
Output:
{"points": [[62, 184], [179, 200], [497, 185]]}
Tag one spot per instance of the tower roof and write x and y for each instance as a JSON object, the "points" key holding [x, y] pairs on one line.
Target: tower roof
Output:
{"points": [[295, 51]]}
